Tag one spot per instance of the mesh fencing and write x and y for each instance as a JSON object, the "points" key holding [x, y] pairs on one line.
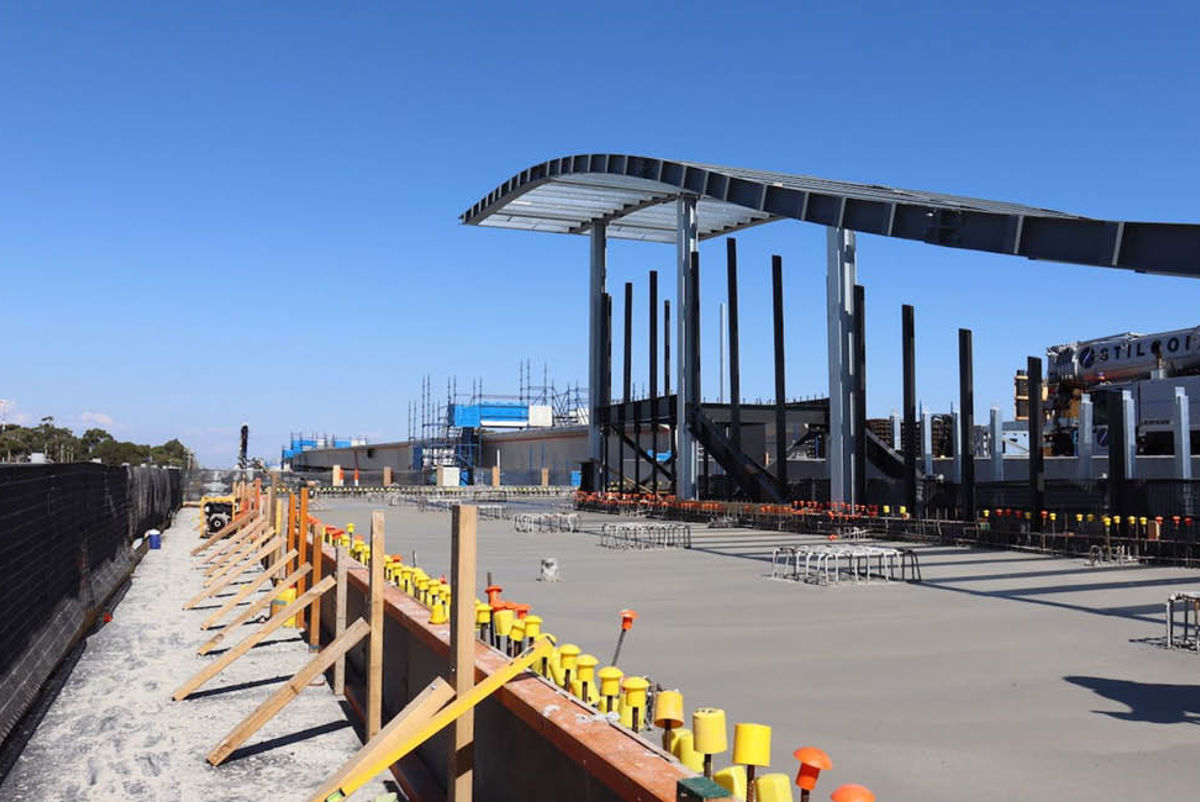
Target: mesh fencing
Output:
{"points": [[57, 524]]}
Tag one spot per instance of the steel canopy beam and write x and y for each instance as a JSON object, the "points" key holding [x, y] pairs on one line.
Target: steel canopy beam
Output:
{"points": [[938, 219]]}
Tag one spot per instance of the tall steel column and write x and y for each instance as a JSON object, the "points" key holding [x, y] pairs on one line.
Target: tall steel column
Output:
{"points": [[966, 413], [654, 377], [596, 288], [998, 446], [735, 374], [686, 241], [909, 441], [1037, 461], [859, 341], [1086, 445], [839, 290], [1181, 422], [781, 437]]}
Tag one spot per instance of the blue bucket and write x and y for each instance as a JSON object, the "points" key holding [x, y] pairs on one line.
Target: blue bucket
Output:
{"points": [[155, 538]]}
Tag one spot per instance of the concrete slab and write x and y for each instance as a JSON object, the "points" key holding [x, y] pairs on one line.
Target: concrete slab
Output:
{"points": [[115, 733], [1004, 675]]}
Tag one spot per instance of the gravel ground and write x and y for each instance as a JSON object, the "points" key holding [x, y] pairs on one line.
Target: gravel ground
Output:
{"points": [[1003, 676], [114, 732]]}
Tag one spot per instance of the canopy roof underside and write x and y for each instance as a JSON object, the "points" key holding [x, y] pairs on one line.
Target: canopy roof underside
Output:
{"points": [[634, 197]]}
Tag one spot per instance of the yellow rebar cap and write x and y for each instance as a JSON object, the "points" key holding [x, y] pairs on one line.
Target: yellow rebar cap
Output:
{"points": [[483, 614], [668, 709], [568, 653], [752, 744], [635, 691], [773, 788], [610, 680], [586, 665], [708, 729], [733, 780], [502, 620], [683, 747], [533, 626]]}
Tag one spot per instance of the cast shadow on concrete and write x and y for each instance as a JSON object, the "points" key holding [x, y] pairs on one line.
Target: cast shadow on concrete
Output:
{"points": [[1154, 703], [261, 644], [287, 740], [241, 686]]}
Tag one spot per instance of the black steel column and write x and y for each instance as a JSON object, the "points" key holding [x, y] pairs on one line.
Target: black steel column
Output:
{"points": [[1117, 469], [694, 397], [966, 418], [654, 376], [781, 438], [735, 375], [909, 435], [667, 393], [1037, 463], [627, 375], [606, 385], [860, 395]]}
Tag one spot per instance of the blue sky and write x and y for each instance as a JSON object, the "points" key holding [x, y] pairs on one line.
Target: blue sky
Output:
{"points": [[227, 211]]}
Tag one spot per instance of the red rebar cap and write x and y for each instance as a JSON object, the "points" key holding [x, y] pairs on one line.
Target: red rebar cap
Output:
{"points": [[627, 619], [521, 610], [852, 792], [812, 762]]}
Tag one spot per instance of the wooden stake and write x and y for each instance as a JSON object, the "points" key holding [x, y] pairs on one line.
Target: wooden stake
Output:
{"points": [[229, 538], [339, 668], [280, 520], [241, 568], [291, 526], [387, 748], [302, 534], [243, 594], [256, 536], [318, 555], [415, 713], [273, 623], [252, 610], [278, 700], [375, 647], [464, 522]]}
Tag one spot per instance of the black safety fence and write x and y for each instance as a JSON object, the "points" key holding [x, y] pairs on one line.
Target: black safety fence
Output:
{"points": [[57, 524]]}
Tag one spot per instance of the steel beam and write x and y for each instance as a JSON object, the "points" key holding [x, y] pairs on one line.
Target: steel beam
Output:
{"points": [[781, 438], [841, 275], [910, 408], [596, 289], [1037, 462], [966, 438], [687, 324], [1183, 435]]}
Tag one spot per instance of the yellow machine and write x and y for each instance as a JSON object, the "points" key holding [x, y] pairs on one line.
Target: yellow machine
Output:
{"points": [[218, 512]]}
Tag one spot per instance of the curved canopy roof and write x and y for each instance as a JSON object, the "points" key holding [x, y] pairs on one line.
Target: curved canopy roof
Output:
{"points": [[634, 196]]}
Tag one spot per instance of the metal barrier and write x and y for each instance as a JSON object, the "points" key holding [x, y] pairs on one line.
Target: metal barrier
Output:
{"points": [[1190, 604], [827, 564], [546, 522], [646, 536]]}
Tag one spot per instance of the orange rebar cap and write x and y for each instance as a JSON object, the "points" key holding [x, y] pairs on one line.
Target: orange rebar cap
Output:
{"points": [[812, 762], [493, 593], [521, 610], [627, 619], [852, 792]]}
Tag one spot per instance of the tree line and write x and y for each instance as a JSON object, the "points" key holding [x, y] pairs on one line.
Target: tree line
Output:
{"points": [[60, 444]]}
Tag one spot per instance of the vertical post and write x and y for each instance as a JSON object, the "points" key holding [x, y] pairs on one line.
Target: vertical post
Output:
{"points": [[1037, 462], [735, 375], [606, 389], [966, 415], [627, 378], [907, 337], [339, 618], [998, 445], [781, 438], [956, 447], [462, 647], [654, 377], [859, 368], [1085, 438], [280, 523], [721, 354], [596, 311], [1129, 418], [1183, 435], [694, 396], [686, 242], [1117, 469], [841, 275], [291, 529], [927, 441], [375, 645], [318, 557], [897, 439], [667, 394], [302, 542]]}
